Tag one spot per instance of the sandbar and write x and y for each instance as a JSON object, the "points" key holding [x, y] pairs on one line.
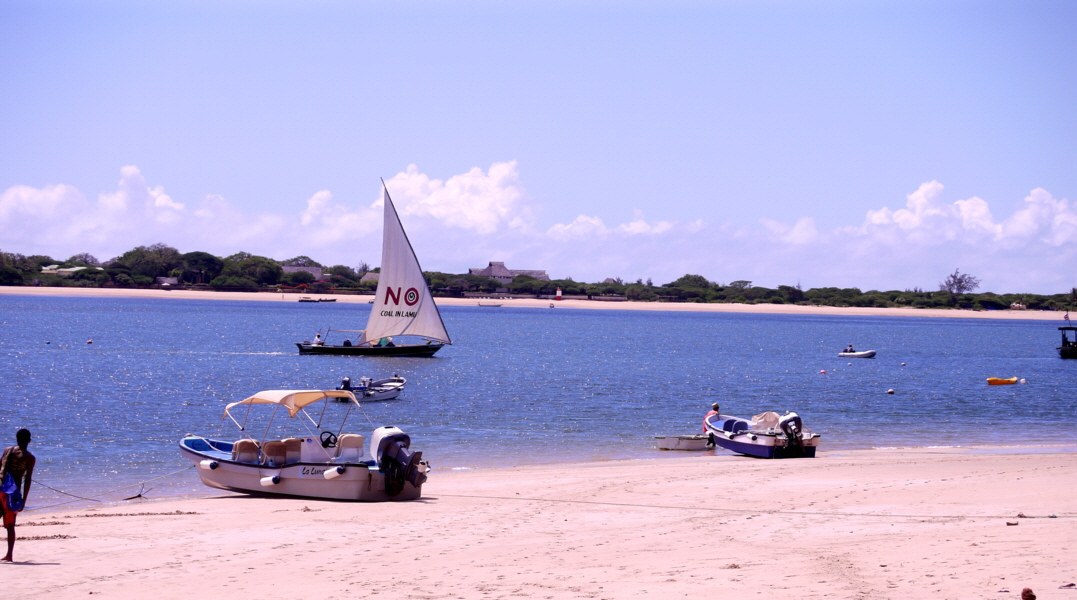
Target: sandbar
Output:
{"points": [[934, 523], [506, 303]]}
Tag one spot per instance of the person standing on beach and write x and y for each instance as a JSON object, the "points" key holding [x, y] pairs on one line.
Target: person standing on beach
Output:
{"points": [[18, 464]]}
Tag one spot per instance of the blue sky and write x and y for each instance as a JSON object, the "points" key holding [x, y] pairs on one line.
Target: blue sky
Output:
{"points": [[871, 144]]}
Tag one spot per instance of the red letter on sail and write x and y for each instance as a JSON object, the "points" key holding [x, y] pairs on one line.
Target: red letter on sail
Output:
{"points": [[389, 294]]}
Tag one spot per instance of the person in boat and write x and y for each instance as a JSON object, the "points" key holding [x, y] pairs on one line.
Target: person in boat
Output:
{"points": [[713, 411], [16, 471], [317, 340], [850, 350]]}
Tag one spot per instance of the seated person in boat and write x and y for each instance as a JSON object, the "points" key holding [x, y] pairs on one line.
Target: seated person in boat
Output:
{"points": [[850, 350], [386, 342], [317, 340]]}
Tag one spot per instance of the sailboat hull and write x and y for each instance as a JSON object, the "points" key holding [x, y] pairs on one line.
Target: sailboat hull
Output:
{"points": [[396, 350]]}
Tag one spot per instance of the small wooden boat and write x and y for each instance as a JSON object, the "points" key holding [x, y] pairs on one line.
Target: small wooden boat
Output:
{"points": [[1068, 349], [327, 299], [489, 304], [1001, 381], [306, 299], [691, 442], [766, 435], [863, 354], [329, 464]]}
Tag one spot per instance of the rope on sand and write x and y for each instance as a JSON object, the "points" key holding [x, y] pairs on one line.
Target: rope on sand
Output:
{"points": [[94, 497]]}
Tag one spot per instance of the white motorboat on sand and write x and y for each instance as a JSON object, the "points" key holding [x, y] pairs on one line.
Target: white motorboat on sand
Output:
{"points": [[329, 464]]}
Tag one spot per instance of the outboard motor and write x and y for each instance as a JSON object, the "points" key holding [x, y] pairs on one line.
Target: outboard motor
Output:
{"points": [[390, 447], [792, 427], [346, 384]]}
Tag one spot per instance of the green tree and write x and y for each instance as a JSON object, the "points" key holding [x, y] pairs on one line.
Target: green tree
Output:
{"points": [[300, 261], [84, 258], [957, 283], [200, 267], [692, 281], [299, 277], [259, 269], [151, 261], [10, 276]]}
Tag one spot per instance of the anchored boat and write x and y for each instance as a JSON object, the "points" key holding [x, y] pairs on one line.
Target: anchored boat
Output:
{"points": [[766, 435], [329, 464], [402, 306], [1068, 349]]}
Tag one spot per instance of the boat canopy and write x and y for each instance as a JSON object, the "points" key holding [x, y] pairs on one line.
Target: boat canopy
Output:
{"points": [[293, 400]]}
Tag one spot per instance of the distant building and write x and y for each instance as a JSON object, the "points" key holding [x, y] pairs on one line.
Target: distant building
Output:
{"points": [[368, 277], [497, 271], [315, 271], [168, 281]]}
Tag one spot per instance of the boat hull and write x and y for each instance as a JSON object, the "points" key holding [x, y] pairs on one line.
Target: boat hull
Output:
{"points": [[690, 443], [359, 482], [396, 350], [864, 354]]}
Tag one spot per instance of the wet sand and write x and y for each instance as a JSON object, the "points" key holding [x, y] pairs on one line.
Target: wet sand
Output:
{"points": [[787, 309], [887, 524]]}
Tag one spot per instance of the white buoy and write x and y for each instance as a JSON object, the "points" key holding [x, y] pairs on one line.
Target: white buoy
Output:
{"points": [[1023, 380], [270, 481], [903, 364], [890, 391], [333, 473], [849, 364], [207, 465]]}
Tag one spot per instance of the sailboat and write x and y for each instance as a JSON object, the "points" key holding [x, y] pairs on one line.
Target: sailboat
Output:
{"points": [[402, 306]]}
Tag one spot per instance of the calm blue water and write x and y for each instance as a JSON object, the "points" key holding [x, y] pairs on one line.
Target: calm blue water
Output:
{"points": [[519, 386]]}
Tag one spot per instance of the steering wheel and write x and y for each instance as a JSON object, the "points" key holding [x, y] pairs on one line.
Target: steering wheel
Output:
{"points": [[329, 439]]}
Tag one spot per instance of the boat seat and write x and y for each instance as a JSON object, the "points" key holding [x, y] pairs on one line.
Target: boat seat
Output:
{"points": [[734, 425], [292, 447], [350, 447], [275, 453], [245, 450]]}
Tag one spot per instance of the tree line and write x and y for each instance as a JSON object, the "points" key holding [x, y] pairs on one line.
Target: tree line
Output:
{"points": [[140, 266]]}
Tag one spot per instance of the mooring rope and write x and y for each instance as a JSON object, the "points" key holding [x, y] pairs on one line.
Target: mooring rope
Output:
{"points": [[93, 498]]}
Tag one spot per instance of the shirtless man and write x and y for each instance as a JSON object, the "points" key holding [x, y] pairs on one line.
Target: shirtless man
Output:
{"points": [[17, 461]]}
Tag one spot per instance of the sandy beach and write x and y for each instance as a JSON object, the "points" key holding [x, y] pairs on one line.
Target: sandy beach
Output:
{"points": [[786, 309], [894, 524]]}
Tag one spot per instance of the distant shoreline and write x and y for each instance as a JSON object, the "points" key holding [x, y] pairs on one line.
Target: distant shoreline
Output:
{"points": [[772, 309]]}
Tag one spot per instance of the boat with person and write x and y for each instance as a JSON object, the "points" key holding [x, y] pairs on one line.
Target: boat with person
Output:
{"points": [[766, 435], [323, 462], [370, 390], [849, 352], [402, 307], [1068, 349]]}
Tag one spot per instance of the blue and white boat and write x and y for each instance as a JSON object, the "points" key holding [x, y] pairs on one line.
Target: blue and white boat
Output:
{"points": [[766, 435]]}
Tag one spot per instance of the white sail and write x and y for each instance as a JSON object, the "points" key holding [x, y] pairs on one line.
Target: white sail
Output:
{"points": [[403, 304]]}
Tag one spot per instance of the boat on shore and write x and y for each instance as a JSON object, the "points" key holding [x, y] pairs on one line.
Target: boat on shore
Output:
{"points": [[766, 435], [402, 307], [370, 390], [1068, 349], [692, 442], [330, 464]]}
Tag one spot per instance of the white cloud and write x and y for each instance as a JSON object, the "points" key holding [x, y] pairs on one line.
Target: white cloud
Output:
{"points": [[468, 219], [481, 202]]}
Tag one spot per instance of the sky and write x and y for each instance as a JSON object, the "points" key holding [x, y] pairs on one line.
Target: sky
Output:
{"points": [[878, 145]]}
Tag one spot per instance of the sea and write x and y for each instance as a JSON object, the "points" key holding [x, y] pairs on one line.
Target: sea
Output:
{"points": [[518, 386]]}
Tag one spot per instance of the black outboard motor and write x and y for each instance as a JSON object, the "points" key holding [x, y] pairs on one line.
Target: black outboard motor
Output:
{"points": [[346, 384], [792, 427], [390, 447]]}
